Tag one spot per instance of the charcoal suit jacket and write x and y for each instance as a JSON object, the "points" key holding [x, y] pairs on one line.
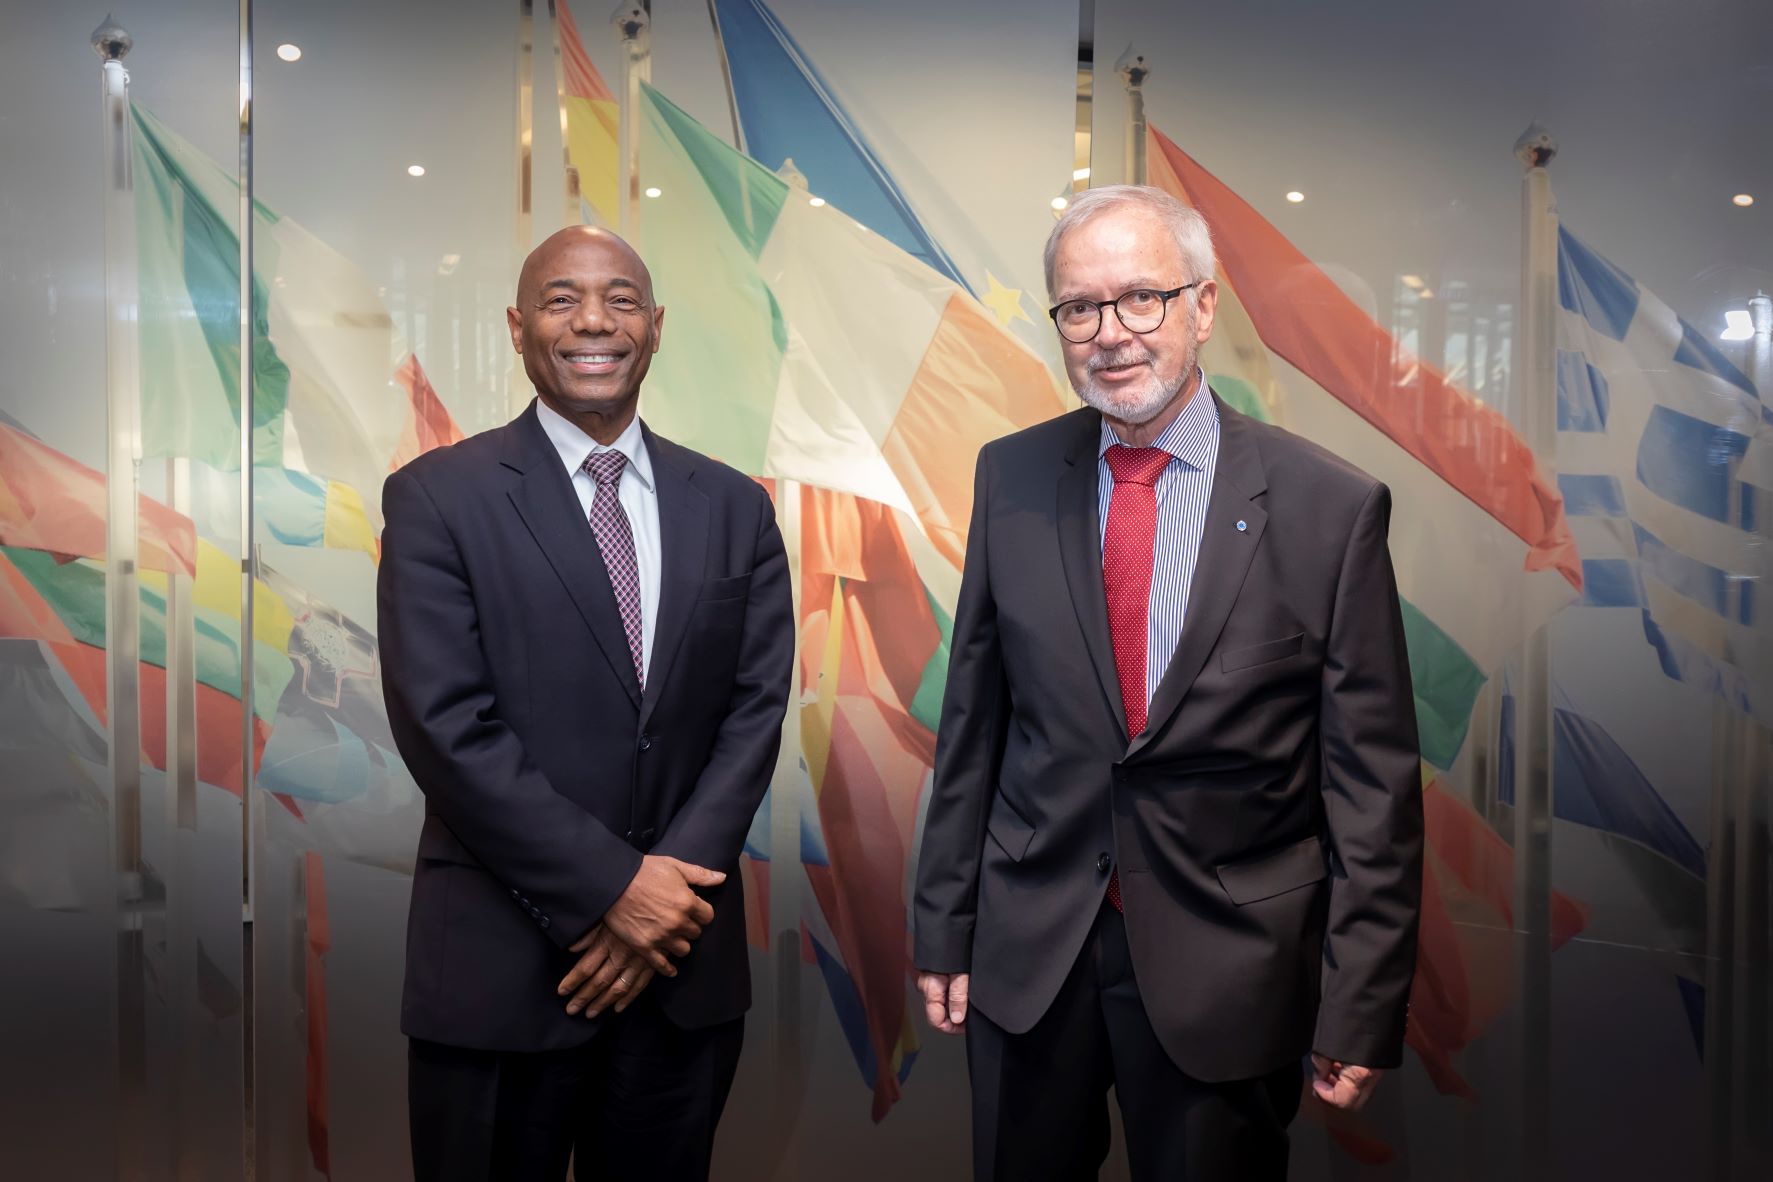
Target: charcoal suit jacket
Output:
{"points": [[1266, 825]]}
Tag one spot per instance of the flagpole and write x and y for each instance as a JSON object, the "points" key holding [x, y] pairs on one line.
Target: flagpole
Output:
{"points": [[634, 24], [732, 107], [1536, 368], [1082, 125], [1133, 72], [517, 382], [251, 817], [123, 592], [573, 191]]}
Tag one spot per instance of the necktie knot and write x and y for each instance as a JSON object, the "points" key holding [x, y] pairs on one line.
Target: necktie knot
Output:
{"points": [[1137, 465], [605, 467]]}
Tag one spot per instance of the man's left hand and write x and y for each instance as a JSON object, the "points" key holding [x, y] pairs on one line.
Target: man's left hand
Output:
{"points": [[608, 973], [1343, 1085]]}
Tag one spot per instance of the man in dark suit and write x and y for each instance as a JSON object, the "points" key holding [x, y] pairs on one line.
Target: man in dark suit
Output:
{"points": [[1174, 839], [586, 637]]}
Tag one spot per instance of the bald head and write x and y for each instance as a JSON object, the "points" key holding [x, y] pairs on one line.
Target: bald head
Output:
{"points": [[548, 258], [587, 327]]}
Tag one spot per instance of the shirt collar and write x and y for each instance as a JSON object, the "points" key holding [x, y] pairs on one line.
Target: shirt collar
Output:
{"points": [[573, 445], [1190, 438]]}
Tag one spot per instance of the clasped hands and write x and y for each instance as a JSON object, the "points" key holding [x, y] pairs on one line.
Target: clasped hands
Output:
{"points": [[654, 919]]}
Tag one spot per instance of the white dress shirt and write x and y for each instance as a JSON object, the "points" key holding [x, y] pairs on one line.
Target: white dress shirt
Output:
{"points": [[639, 497]]}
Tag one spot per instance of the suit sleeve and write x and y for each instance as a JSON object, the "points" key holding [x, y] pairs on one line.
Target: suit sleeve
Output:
{"points": [[1372, 795], [709, 829], [471, 766], [969, 750]]}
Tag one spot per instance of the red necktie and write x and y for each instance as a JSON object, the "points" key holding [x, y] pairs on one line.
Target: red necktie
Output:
{"points": [[1126, 578]]}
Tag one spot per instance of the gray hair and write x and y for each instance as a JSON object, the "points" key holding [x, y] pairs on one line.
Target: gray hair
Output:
{"points": [[1187, 225]]}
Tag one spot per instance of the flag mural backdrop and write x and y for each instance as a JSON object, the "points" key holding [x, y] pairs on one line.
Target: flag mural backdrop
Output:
{"points": [[854, 363], [1665, 456], [772, 276], [335, 409], [834, 363]]}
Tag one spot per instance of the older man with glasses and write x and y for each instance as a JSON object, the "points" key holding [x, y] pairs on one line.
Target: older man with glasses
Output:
{"points": [[1174, 844]]}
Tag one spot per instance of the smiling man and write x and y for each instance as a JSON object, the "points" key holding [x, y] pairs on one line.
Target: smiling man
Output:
{"points": [[1175, 835], [586, 638]]}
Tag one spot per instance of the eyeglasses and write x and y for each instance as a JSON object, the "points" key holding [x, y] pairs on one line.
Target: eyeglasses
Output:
{"points": [[1141, 311]]}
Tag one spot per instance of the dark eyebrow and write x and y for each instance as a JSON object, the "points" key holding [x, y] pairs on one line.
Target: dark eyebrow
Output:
{"points": [[566, 284]]}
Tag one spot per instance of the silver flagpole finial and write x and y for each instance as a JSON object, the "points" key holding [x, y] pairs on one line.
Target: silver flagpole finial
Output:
{"points": [[631, 20], [1536, 146], [111, 40], [1132, 69]]}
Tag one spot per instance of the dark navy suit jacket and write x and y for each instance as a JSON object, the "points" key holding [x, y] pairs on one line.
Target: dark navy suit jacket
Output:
{"points": [[547, 773]]}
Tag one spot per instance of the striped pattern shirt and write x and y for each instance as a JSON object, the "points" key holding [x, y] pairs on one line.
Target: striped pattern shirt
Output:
{"points": [[1182, 494]]}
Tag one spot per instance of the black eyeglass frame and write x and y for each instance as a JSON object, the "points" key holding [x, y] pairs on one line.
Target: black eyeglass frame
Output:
{"points": [[1172, 293]]}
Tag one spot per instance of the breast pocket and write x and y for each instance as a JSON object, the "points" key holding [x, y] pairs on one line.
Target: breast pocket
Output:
{"points": [[1262, 654], [729, 587]]}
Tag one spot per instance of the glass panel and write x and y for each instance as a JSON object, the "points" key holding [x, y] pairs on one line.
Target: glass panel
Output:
{"points": [[120, 888], [386, 252], [1563, 379], [1362, 176]]}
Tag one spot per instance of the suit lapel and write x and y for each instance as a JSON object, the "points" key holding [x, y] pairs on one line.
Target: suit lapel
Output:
{"points": [[1228, 544], [1080, 553], [545, 500], [683, 544]]}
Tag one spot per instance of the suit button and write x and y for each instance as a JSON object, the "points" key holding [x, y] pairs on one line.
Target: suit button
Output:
{"points": [[646, 742], [543, 921], [1102, 864], [514, 894]]}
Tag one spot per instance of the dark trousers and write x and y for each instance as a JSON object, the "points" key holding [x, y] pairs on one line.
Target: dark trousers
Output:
{"points": [[1040, 1099], [640, 1100]]}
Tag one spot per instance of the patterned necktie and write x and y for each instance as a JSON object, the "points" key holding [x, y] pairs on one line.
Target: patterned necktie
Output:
{"points": [[1126, 579], [615, 541]]}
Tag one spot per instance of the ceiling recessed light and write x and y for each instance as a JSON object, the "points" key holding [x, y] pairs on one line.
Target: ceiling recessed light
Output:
{"points": [[1295, 196], [815, 202], [415, 170], [1738, 326], [289, 53], [655, 191], [1743, 199], [1060, 203]]}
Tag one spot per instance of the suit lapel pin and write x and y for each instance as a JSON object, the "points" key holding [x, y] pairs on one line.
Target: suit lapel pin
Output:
{"points": [[1242, 526]]}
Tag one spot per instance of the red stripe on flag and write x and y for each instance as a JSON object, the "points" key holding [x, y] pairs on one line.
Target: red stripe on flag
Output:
{"points": [[1302, 315], [51, 502], [429, 424], [582, 79], [1465, 953]]}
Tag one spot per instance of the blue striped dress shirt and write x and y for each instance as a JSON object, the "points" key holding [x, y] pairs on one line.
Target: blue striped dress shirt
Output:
{"points": [[1182, 494]]}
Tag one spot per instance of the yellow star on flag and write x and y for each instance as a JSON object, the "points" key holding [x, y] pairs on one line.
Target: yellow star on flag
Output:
{"points": [[1004, 302]]}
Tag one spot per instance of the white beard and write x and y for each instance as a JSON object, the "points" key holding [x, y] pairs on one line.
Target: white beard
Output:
{"points": [[1140, 403]]}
